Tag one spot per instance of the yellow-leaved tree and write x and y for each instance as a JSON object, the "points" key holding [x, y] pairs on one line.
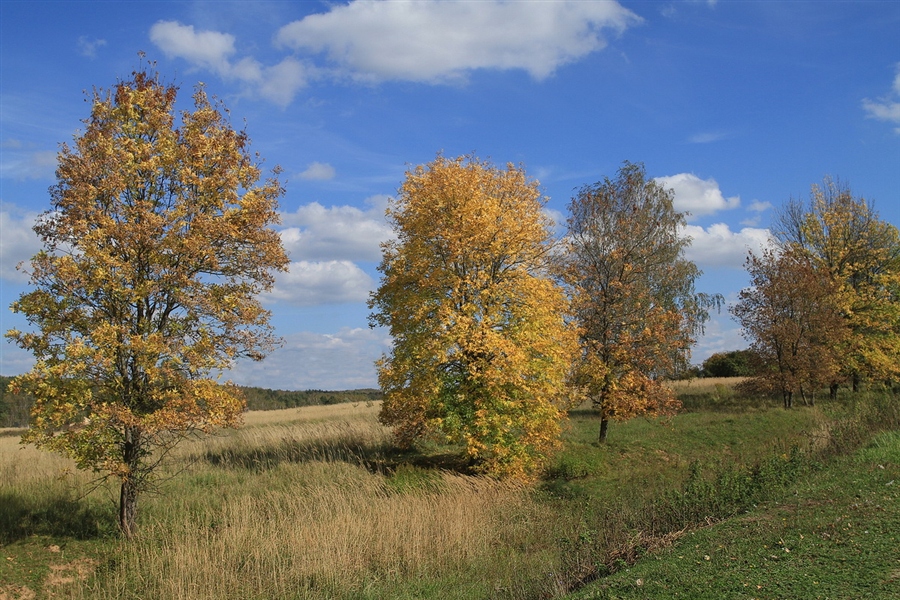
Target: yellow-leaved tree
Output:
{"points": [[156, 246], [632, 293], [482, 349], [849, 244]]}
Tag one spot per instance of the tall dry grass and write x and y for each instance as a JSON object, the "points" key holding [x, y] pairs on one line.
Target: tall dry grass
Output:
{"points": [[299, 504]]}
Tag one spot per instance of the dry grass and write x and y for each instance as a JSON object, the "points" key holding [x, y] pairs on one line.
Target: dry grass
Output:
{"points": [[295, 505], [346, 534], [704, 385]]}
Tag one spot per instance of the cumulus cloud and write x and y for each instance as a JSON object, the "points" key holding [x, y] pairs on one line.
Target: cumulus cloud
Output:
{"points": [[343, 360], [886, 108], [719, 246], [312, 283], [318, 172], [213, 51], [697, 196], [441, 40], [315, 232], [18, 242]]}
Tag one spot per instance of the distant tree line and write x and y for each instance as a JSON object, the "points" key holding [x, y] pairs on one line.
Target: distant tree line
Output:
{"points": [[266, 399], [15, 409]]}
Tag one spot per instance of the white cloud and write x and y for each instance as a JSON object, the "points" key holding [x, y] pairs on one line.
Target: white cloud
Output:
{"points": [[886, 108], [21, 164], [207, 49], [312, 283], [18, 242], [441, 40], [719, 246], [88, 47], [318, 172], [314, 232], [212, 50], [697, 196], [758, 206], [722, 335], [343, 360]]}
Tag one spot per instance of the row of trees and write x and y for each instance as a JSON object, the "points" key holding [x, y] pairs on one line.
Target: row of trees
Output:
{"points": [[824, 306], [499, 328], [159, 240]]}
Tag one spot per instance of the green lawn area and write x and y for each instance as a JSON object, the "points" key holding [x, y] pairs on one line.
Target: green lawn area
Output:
{"points": [[835, 533]]}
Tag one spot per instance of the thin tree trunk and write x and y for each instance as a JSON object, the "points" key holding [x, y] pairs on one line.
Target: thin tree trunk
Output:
{"points": [[833, 391], [604, 426], [128, 507], [129, 491]]}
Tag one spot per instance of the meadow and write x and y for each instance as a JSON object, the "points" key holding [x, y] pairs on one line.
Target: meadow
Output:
{"points": [[314, 502]]}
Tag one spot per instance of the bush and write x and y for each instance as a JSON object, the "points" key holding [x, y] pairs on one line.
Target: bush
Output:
{"points": [[728, 364]]}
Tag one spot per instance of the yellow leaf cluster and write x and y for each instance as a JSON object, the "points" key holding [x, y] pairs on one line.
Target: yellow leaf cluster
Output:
{"points": [[157, 244], [482, 349]]}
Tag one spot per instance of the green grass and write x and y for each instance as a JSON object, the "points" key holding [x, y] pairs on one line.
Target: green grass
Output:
{"points": [[834, 533]]}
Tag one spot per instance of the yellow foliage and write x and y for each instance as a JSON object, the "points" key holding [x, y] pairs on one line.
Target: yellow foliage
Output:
{"points": [[482, 350], [155, 247], [860, 254]]}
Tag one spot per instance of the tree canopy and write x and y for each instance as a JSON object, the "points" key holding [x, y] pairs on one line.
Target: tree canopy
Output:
{"points": [[633, 294], [791, 316], [845, 240], [482, 350], [156, 245]]}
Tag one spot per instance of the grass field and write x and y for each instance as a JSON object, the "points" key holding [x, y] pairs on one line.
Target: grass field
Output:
{"points": [[314, 503]]}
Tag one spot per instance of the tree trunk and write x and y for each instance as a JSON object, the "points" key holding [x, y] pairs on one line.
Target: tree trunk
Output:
{"points": [[131, 456], [128, 507], [833, 390], [604, 426], [788, 399]]}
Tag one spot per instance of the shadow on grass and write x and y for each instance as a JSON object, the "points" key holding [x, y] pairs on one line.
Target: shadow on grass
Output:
{"points": [[57, 517], [380, 458]]}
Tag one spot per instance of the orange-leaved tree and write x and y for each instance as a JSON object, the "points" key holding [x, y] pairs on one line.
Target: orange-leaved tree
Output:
{"points": [[156, 245], [482, 350], [791, 316], [633, 294], [847, 242]]}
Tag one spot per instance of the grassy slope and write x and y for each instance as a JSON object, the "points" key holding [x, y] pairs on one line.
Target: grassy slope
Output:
{"points": [[833, 534]]}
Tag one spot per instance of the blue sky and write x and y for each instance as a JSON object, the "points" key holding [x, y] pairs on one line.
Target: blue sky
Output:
{"points": [[737, 106]]}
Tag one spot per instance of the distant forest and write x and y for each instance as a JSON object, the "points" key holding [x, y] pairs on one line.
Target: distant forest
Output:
{"points": [[16, 408]]}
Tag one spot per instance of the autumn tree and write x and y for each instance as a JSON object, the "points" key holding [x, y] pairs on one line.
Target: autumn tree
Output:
{"points": [[844, 238], [481, 349], [633, 294], [156, 245], [791, 315]]}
